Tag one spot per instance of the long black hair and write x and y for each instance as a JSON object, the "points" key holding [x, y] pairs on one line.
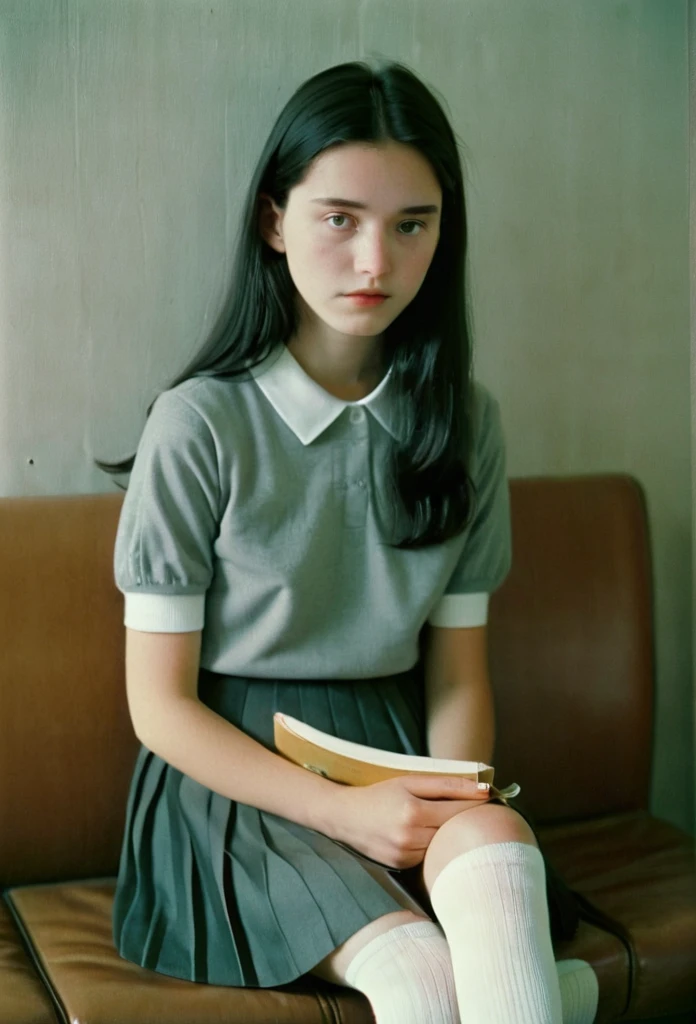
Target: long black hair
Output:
{"points": [[428, 344]]}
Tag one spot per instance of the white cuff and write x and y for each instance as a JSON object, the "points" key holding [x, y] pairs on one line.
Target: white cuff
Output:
{"points": [[164, 613], [457, 611]]}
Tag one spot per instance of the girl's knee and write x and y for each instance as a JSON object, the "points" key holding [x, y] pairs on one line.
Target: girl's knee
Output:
{"points": [[489, 823], [479, 826]]}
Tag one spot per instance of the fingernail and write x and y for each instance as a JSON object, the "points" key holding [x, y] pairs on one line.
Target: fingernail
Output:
{"points": [[483, 785]]}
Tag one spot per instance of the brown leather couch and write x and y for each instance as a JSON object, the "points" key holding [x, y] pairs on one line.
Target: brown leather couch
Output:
{"points": [[572, 664]]}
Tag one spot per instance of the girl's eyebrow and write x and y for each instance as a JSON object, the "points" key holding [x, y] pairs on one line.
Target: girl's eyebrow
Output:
{"points": [[332, 201]]}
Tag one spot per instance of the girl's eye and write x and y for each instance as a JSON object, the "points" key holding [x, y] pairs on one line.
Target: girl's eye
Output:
{"points": [[338, 216], [417, 223], [408, 223]]}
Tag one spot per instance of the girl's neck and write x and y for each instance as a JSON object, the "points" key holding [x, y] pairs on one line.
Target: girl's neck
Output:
{"points": [[347, 366]]}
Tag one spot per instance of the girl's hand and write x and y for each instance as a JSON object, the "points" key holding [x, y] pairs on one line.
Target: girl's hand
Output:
{"points": [[393, 821]]}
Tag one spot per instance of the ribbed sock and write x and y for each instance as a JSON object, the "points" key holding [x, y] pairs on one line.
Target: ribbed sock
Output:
{"points": [[491, 903], [387, 973], [579, 991], [406, 974]]}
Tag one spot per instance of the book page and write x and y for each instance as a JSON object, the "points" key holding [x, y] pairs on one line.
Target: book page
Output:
{"points": [[373, 755]]}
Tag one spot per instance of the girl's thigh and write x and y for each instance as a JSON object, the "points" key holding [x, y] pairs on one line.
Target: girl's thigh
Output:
{"points": [[333, 967]]}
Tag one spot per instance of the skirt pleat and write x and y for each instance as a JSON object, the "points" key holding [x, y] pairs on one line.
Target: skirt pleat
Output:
{"points": [[214, 891]]}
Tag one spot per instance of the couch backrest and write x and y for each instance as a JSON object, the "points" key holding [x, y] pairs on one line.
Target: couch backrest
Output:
{"points": [[570, 649], [66, 742]]}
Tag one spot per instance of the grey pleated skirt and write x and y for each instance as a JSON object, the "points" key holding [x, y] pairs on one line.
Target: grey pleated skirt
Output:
{"points": [[214, 891]]}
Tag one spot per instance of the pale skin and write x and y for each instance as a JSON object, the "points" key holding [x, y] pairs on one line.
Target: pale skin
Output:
{"points": [[333, 249]]}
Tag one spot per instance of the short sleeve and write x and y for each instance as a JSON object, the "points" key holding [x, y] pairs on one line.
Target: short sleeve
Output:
{"points": [[487, 553], [163, 557]]}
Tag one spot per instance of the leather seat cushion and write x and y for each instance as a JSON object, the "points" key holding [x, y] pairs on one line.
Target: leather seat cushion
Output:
{"points": [[23, 999], [642, 871], [69, 927]]}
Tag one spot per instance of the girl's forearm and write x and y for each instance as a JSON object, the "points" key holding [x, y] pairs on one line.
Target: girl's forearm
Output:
{"points": [[197, 741], [460, 722]]}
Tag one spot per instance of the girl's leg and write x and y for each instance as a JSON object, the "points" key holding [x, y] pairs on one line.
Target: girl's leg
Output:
{"points": [[401, 962], [579, 991], [485, 876]]}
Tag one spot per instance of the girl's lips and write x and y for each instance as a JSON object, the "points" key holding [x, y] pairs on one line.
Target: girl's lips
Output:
{"points": [[367, 300]]}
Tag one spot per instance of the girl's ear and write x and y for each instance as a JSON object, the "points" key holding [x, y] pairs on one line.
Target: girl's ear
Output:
{"points": [[271, 222]]}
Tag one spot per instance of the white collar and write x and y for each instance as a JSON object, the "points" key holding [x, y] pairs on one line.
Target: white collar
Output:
{"points": [[304, 405]]}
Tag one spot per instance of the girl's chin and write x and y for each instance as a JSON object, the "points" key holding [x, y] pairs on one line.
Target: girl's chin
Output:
{"points": [[363, 323], [371, 331]]}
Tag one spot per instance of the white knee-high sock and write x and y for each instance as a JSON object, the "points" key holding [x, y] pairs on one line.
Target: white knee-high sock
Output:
{"points": [[579, 991], [491, 903], [408, 980], [406, 973]]}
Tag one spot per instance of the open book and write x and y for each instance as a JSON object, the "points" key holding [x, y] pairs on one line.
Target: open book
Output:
{"points": [[357, 765]]}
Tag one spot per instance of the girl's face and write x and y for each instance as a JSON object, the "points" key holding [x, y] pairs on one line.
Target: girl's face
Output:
{"points": [[365, 217]]}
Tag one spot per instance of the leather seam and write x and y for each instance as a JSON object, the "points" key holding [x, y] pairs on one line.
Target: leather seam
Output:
{"points": [[327, 1005], [36, 959]]}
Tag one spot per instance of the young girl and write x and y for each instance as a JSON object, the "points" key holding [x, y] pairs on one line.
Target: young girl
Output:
{"points": [[316, 515]]}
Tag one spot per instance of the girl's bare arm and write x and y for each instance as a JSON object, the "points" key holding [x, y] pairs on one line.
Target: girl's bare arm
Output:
{"points": [[458, 694], [170, 720]]}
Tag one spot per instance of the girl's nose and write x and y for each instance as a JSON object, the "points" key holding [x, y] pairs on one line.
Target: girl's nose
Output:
{"points": [[373, 256]]}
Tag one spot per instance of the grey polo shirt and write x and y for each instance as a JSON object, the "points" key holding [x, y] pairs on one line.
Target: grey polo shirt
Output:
{"points": [[257, 512]]}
